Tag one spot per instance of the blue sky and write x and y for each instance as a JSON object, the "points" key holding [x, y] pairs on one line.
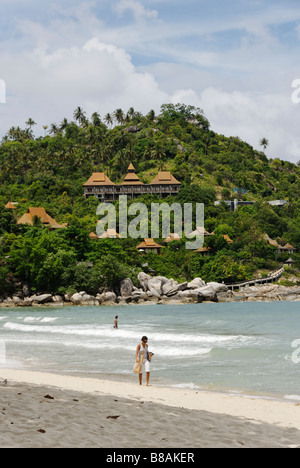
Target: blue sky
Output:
{"points": [[234, 59]]}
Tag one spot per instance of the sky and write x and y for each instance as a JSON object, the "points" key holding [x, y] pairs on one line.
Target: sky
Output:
{"points": [[236, 60]]}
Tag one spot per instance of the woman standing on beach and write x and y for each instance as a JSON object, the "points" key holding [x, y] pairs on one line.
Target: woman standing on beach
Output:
{"points": [[142, 351]]}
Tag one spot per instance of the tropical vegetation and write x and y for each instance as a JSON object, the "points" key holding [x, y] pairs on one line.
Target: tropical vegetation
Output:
{"points": [[49, 171]]}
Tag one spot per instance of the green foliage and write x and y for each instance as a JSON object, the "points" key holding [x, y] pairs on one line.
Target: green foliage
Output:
{"points": [[49, 171]]}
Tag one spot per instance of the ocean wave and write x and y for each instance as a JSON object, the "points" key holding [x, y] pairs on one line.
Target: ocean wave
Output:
{"points": [[105, 332], [40, 319], [292, 397]]}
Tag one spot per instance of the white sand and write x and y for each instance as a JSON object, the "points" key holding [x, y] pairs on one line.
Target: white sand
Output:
{"points": [[171, 418]]}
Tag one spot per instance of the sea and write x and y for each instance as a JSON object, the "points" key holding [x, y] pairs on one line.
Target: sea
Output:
{"points": [[236, 348]]}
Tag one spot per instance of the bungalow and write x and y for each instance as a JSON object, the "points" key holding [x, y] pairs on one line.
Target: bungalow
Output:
{"points": [[11, 206], [40, 214], [110, 234], [288, 248], [173, 237], [227, 238], [204, 251], [101, 187], [148, 246]]}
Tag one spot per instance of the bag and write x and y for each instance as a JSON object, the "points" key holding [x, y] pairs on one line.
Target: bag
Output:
{"points": [[149, 357], [138, 365]]}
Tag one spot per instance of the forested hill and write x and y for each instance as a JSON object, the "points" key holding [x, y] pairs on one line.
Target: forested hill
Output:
{"points": [[179, 139], [49, 171]]}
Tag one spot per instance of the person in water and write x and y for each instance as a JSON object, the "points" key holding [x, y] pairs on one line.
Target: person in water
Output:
{"points": [[142, 349], [116, 322]]}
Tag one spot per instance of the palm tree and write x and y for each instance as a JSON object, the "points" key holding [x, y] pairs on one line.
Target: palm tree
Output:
{"points": [[108, 119], [79, 115], [119, 116], [151, 115], [30, 122], [45, 127], [64, 124], [96, 119], [54, 129], [264, 143], [130, 114]]}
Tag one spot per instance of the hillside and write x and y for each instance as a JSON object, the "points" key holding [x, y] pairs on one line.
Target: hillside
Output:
{"points": [[49, 172]]}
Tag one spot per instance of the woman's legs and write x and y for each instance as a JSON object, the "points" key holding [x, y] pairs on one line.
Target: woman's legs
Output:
{"points": [[146, 367]]}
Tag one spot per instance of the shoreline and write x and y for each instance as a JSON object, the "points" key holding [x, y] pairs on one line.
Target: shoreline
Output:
{"points": [[158, 290], [81, 412], [199, 400]]}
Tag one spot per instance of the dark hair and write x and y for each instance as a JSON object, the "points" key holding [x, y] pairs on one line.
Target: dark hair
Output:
{"points": [[144, 338]]}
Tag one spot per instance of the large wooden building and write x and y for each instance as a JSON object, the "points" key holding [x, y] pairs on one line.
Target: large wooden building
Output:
{"points": [[101, 187]]}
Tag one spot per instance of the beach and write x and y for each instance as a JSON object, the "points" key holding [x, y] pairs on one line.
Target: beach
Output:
{"points": [[44, 410]]}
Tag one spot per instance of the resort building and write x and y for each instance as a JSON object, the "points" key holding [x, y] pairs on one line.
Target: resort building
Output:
{"points": [[101, 187], [287, 248], [35, 215], [204, 251], [148, 246], [11, 206], [173, 237]]}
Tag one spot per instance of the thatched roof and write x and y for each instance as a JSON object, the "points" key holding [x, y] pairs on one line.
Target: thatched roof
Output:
{"points": [[165, 178], [28, 218], [98, 179], [149, 244]]}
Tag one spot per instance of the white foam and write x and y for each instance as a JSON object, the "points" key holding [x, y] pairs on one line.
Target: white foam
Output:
{"points": [[292, 397], [105, 332], [189, 386]]}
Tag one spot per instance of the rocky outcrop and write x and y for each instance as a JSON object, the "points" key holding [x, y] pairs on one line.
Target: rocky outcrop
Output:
{"points": [[159, 290], [267, 293]]}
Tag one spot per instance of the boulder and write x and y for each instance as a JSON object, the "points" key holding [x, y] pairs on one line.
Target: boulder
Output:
{"points": [[126, 288], [57, 299], [170, 288], [208, 293], [196, 284], [156, 284], [26, 290], [83, 298], [218, 287], [143, 279], [110, 296], [191, 294], [154, 293], [42, 299]]}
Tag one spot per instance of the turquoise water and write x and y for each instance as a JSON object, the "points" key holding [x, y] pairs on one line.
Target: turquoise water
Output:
{"points": [[231, 347]]}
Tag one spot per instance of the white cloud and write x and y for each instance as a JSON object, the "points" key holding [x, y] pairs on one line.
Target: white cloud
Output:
{"points": [[254, 116], [121, 53], [138, 10], [98, 76]]}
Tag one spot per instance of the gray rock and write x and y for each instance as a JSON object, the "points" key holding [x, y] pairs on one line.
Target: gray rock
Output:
{"points": [[153, 293], [208, 293], [143, 280], [196, 284], [218, 287], [156, 284], [126, 288], [57, 299], [170, 288], [43, 298], [110, 297]]}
